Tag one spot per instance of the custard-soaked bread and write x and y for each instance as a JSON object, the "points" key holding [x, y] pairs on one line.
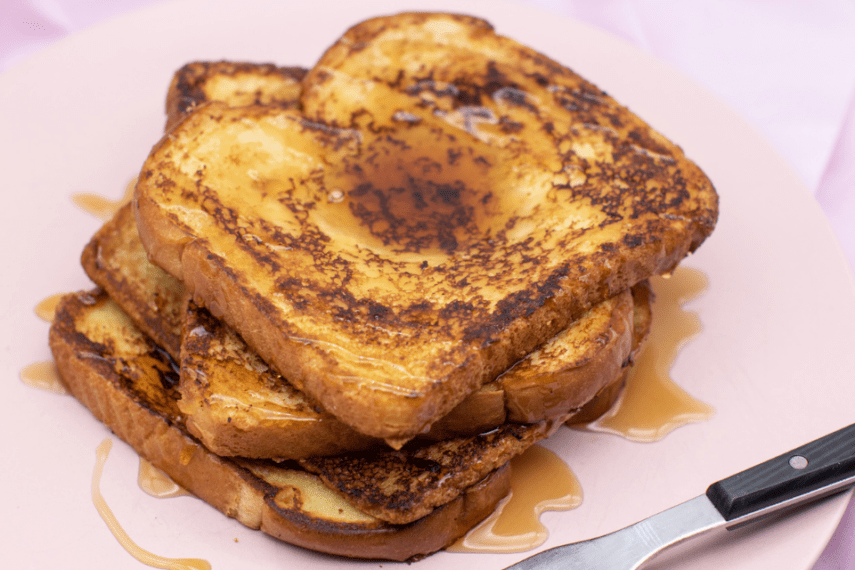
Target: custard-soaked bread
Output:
{"points": [[446, 202], [115, 258], [403, 486], [128, 383], [236, 405], [235, 83], [116, 261]]}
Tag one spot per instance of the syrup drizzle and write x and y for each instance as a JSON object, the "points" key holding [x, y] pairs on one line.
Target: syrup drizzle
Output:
{"points": [[44, 376], [540, 481], [144, 556], [101, 207], [157, 483], [652, 405], [46, 309]]}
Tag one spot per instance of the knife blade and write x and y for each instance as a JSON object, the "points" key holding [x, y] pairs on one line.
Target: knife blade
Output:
{"points": [[807, 473]]}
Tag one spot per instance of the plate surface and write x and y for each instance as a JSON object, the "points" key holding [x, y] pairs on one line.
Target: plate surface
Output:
{"points": [[773, 357]]}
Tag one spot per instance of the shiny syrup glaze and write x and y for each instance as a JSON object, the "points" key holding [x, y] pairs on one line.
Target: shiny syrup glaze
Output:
{"points": [[515, 526], [101, 207], [144, 556], [46, 308], [652, 405], [44, 376], [420, 194], [157, 483], [540, 481]]}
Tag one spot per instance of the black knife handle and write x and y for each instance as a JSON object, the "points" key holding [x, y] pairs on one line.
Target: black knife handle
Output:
{"points": [[808, 468]]}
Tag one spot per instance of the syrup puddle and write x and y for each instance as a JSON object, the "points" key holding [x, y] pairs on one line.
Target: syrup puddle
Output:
{"points": [[46, 309], [540, 481], [651, 405], [101, 207], [44, 376], [157, 483], [133, 549]]}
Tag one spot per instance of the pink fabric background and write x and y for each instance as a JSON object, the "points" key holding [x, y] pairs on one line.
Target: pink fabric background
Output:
{"points": [[788, 67]]}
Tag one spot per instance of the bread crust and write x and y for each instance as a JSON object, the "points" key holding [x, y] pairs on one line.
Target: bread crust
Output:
{"points": [[116, 261], [113, 369], [237, 406], [236, 83]]}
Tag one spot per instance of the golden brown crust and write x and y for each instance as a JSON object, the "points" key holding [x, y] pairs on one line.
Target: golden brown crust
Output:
{"points": [[399, 542], [566, 373], [128, 383], [235, 83], [403, 486], [424, 311], [115, 260], [237, 406], [642, 317]]}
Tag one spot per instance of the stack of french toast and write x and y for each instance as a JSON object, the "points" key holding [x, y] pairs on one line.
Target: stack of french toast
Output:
{"points": [[344, 298]]}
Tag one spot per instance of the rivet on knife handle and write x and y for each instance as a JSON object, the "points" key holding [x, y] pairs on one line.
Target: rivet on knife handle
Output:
{"points": [[802, 470]]}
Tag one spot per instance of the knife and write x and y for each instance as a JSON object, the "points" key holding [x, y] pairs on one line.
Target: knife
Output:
{"points": [[814, 470]]}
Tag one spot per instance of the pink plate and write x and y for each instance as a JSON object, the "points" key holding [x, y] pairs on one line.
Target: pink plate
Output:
{"points": [[774, 357]]}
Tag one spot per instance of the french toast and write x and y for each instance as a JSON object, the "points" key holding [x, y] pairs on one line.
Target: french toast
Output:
{"points": [[235, 413], [128, 383], [236, 405], [116, 261], [114, 258], [642, 318], [443, 202], [236, 83]]}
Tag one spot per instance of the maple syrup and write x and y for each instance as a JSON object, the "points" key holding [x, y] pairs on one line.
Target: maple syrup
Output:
{"points": [[652, 404], [540, 481], [423, 191], [144, 556], [46, 309], [650, 407], [44, 376], [101, 207], [157, 483]]}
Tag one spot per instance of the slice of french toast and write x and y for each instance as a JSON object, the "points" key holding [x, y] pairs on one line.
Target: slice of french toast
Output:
{"points": [[446, 201], [265, 416], [236, 405], [114, 258], [117, 262], [235, 83], [129, 383], [403, 486]]}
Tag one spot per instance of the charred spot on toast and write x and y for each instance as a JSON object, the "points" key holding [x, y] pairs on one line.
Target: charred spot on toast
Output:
{"points": [[401, 486], [189, 87], [464, 204], [137, 365]]}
